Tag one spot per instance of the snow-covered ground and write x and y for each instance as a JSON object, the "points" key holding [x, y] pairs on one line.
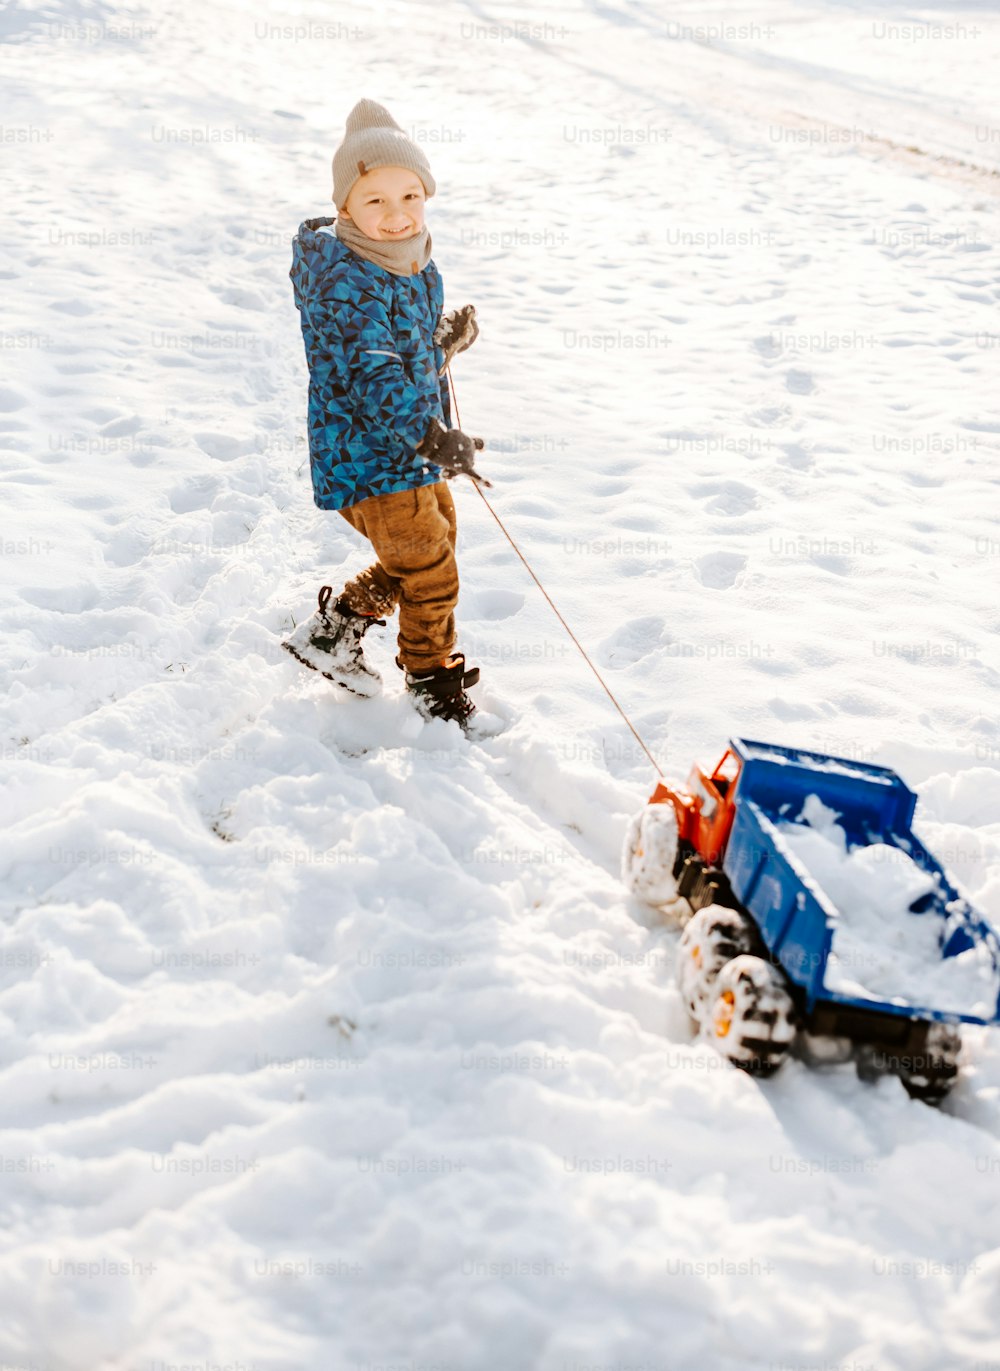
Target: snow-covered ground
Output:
{"points": [[328, 1042]]}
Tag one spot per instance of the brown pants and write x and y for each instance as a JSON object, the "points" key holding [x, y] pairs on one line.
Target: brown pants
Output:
{"points": [[413, 534]]}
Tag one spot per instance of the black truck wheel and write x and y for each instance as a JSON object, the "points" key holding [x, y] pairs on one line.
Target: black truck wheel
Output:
{"points": [[649, 855], [753, 1020], [931, 1072], [711, 938]]}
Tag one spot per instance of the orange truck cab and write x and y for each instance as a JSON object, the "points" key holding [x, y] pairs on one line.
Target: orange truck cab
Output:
{"points": [[705, 810]]}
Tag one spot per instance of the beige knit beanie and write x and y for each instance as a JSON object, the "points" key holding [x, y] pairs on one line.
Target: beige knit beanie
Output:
{"points": [[374, 139]]}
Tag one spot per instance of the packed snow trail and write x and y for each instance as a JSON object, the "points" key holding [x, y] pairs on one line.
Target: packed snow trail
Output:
{"points": [[330, 1041]]}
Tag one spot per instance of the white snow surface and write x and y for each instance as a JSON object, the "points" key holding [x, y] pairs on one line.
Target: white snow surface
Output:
{"points": [[330, 1040], [881, 949]]}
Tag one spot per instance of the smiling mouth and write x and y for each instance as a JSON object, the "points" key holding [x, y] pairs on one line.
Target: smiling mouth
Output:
{"points": [[397, 233]]}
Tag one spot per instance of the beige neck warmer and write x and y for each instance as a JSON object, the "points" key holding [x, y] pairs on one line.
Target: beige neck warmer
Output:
{"points": [[405, 258]]}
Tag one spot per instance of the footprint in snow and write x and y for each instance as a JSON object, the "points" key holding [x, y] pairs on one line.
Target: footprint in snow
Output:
{"points": [[731, 498], [790, 711], [832, 562], [74, 599], [768, 416], [75, 368], [719, 570], [768, 346], [241, 297], [799, 382], [635, 639], [493, 605], [796, 456], [123, 427], [74, 306], [198, 493], [26, 478], [90, 502], [534, 508], [126, 549], [99, 414], [224, 447], [639, 523]]}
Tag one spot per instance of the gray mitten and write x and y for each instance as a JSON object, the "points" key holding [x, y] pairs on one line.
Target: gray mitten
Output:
{"points": [[457, 331], [452, 450]]}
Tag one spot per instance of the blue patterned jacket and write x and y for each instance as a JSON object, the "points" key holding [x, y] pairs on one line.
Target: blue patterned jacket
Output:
{"points": [[373, 368]]}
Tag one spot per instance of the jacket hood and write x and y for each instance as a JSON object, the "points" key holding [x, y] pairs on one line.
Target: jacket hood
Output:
{"points": [[313, 254], [309, 235]]}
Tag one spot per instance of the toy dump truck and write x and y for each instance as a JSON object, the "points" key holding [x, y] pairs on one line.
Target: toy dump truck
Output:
{"points": [[753, 858]]}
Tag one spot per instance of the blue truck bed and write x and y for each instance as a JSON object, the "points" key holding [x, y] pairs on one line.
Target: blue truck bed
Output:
{"points": [[795, 916]]}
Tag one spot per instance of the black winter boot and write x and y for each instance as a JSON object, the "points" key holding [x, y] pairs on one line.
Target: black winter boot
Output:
{"points": [[440, 694], [330, 643]]}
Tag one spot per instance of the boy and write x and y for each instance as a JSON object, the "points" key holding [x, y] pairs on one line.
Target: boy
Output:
{"points": [[380, 440]]}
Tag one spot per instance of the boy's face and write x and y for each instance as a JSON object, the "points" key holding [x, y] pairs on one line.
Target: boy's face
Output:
{"points": [[387, 203]]}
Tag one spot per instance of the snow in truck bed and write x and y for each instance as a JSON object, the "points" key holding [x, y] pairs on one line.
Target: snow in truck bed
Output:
{"points": [[881, 948]]}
